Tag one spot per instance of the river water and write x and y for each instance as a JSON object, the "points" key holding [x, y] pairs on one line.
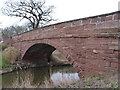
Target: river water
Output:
{"points": [[36, 77]]}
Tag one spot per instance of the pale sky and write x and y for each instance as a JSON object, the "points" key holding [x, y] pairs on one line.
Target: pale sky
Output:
{"points": [[66, 10]]}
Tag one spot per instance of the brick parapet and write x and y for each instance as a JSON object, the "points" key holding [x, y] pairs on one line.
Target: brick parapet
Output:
{"points": [[96, 22]]}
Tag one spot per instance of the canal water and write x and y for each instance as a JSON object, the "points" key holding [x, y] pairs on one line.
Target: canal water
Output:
{"points": [[36, 77]]}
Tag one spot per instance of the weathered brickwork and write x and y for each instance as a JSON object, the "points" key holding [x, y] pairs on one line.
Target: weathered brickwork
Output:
{"points": [[90, 44]]}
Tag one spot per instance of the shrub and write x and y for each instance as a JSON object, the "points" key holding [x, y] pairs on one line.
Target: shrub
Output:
{"points": [[3, 46], [3, 63], [11, 54]]}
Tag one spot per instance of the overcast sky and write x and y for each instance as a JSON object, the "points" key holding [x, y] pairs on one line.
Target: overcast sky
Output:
{"points": [[69, 9]]}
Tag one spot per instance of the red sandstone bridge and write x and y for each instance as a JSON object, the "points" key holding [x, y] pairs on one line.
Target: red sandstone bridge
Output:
{"points": [[90, 44]]}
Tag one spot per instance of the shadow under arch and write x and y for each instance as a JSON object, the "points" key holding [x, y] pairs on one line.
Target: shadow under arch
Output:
{"points": [[43, 54], [38, 54]]}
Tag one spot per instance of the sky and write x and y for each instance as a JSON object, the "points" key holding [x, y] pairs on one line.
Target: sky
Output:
{"points": [[66, 10]]}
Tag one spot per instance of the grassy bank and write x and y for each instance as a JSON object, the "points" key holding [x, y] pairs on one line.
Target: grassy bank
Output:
{"points": [[8, 56], [88, 82], [3, 63], [96, 82]]}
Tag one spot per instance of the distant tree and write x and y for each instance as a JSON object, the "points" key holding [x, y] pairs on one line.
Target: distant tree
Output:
{"points": [[34, 11], [12, 30]]}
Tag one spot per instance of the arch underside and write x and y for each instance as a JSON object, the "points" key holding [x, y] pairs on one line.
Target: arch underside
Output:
{"points": [[44, 54], [38, 54]]}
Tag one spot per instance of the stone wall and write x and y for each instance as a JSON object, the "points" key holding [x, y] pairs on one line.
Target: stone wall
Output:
{"points": [[90, 44]]}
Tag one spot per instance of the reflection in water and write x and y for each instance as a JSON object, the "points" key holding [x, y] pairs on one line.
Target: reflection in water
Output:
{"points": [[37, 76], [58, 77]]}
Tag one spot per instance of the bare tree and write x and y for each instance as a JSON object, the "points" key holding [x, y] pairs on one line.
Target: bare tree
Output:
{"points": [[33, 10], [8, 32]]}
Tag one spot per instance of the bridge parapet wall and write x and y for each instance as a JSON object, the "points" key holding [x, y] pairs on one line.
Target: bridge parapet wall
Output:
{"points": [[78, 28]]}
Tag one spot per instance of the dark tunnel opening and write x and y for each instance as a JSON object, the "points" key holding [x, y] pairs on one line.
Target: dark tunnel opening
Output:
{"points": [[39, 54]]}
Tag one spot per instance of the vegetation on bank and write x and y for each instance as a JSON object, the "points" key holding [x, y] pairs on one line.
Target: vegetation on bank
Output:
{"points": [[87, 82], [8, 56], [4, 63], [11, 54]]}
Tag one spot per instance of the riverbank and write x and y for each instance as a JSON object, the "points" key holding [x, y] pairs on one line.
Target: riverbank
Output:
{"points": [[21, 66], [87, 82], [95, 82], [13, 67]]}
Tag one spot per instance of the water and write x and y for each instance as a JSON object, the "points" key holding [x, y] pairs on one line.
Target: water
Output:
{"points": [[34, 77]]}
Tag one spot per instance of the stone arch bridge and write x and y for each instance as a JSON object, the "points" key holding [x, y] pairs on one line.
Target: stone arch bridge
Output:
{"points": [[90, 44]]}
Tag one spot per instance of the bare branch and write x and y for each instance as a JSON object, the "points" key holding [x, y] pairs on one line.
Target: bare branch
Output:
{"points": [[34, 11]]}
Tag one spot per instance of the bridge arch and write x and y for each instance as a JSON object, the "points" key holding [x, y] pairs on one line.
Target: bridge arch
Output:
{"points": [[40, 53]]}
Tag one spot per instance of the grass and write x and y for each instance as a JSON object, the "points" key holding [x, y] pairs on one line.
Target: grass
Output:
{"points": [[4, 63], [88, 82], [100, 82]]}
